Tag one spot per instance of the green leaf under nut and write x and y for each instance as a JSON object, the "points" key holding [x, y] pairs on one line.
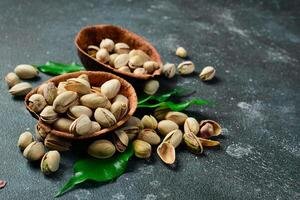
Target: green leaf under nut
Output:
{"points": [[55, 68]]}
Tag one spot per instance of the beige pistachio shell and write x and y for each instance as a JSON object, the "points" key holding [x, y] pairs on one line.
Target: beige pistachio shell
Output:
{"points": [[12, 79], [76, 111], [49, 91], [121, 140], [150, 66], [92, 50], [177, 117], [95, 127], [119, 110], [64, 101], [61, 87], [169, 70], [24, 140], [48, 115], [104, 117], [174, 138], [25, 71], [181, 52], [150, 136], [166, 152], [139, 71], [34, 151], [166, 126], [62, 124], [81, 126], [41, 132], [191, 125], [149, 122], [107, 44], [209, 143], [207, 73], [121, 98], [209, 128], [136, 61], [161, 112], [193, 143], [131, 131], [151, 87], [57, 143], [121, 60], [102, 55], [20, 89], [134, 121], [138, 52], [37, 102], [112, 58], [121, 48], [50, 162], [101, 149], [94, 100], [124, 69], [78, 85], [141, 149], [186, 67], [111, 88]]}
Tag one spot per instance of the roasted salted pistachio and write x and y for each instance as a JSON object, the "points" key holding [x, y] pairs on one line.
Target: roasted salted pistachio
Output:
{"points": [[34, 151], [149, 122], [112, 58], [62, 124], [134, 121], [186, 67], [57, 143], [12, 79], [151, 87], [49, 91], [140, 53], [37, 102], [24, 140], [150, 66], [166, 126], [121, 98], [111, 88], [136, 61], [104, 117], [177, 117], [166, 152], [131, 131], [207, 73], [41, 131], [161, 112], [139, 71], [95, 127], [94, 100], [149, 135], [78, 85], [25, 71], [20, 89], [121, 60], [174, 138], [193, 143], [141, 149], [81, 126], [119, 110], [107, 44], [61, 87], [48, 115], [76, 111], [121, 48], [181, 52], [64, 101], [169, 70], [101, 149], [209, 128], [191, 125], [121, 140], [50, 162], [102, 55]]}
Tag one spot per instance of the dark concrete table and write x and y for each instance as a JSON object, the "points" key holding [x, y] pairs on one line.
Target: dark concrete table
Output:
{"points": [[255, 48]]}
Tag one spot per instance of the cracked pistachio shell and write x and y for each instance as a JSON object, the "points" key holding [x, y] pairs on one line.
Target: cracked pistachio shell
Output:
{"points": [[193, 143], [121, 48], [209, 143], [150, 66], [209, 128], [134, 121], [101, 149], [124, 69], [92, 50], [41, 132], [50, 162], [95, 127], [177, 117], [34, 151], [161, 112], [37, 102], [79, 85], [25, 71], [151, 87], [121, 98], [121, 60], [61, 87], [181, 52], [65, 100], [169, 70], [104, 117], [49, 91], [141, 149], [57, 143], [136, 61], [107, 44], [138, 52], [186, 67], [94, 100], [62, 124], [12, 79], [140, 71], [20, 89], [191, 125], [207, 73], [166, 126], [149, 122], [24, 140], [174, 138], [112, 58], [149, 135], [48, 115], [111, 88], [131, 131], [81, 126], [166, 152], [102, 55], [121, 140], [119, 110], [76, 111]]}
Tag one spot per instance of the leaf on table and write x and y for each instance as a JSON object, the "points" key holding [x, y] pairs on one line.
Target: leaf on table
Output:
{"points": [[55, 68]]}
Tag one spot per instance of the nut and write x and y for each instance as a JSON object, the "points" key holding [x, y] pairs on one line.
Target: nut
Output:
{"points": [[131, 131], [169, 70], [101, 149], [111, 88], [24, 71], [166, 126], [57, 143], [24, 140], [177, 117], [12, 79], [186, 67], [121, 48], [49, 91], [151, 87], [161, 112], [207, 73], [121, 60], [92, 50], [50, 162], [41, 131], [181, 52], [48, 115], [95, 127], [124, 69], [166, 152], [20, 89], [193, 144], [121, 98], [65, 100], [174, 138], [141, 149], [121, 140], [102, 55], [112, 58], [149, 122], [119, 110], [81, 126], [37, 103], [62, 124], [150, 136], [34, 151], [136, 61], [150, 66], [61, 87], [104, 117], [76, 111], [134, 121], [107, 44], [138, 52], [191, 125], [140, 71], [209, 128], [94, 100], [79, 85]]}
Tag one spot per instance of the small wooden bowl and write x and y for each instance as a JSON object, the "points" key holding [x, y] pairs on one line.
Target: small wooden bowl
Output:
{"points": [[92, 35], [96, 79]]}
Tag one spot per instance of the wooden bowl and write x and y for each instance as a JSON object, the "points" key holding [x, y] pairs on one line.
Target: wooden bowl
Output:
{"points": [[96, 79], [92, 35]]}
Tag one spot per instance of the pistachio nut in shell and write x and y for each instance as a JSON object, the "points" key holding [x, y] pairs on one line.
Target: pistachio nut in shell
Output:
{"points": [[161, 112], [92, 50], [57, 143], [193, 143], [121, 140], [34, 151], [181, 52], [191, 125], [209, 128], [81, 126], [151, 87], [119, 110], [94, 100], [12, 79], [177, 117], [207, 73], [150, 66], [174, 138], [107, 44], [41, 131], [65, 100], [101, 149], [121, 48], [136, 61], [37, 103], [186, 67], [134, 121], [166, 126], [131, 131], [139, 71], [149, 135], [62, 124], [24, 140], [76, 111], [49, 91], [20, 89], [78, 85], [121, 98], [25, 71], [121, 60], [111, 88], [169, 70], [141, 149], [102, 55], [124, 69], [95, 127], [112, 58], [48, 115], [166, 152], [209, 143], [138, 52], [104, 117], [50, 162], [149, 122], [61, 87]]}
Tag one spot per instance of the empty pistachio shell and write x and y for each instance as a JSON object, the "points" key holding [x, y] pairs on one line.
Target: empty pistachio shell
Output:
{"points": [[150, 136], [34, 151], [186, 67], [134, 121], [166, 152], [94, 100], [119, 110], [101, 149], [95, 127], [107, 44], [81, 126], [161, 112], [121, 98], [37, 102], [20, 89], [50, 162], [181, 52], [12, 79], [139, 71], [166, 126], [149, 122], [26, 71], [121, 60], [191, 125], [79, 85], [76, 111], [174, 138], [112, 58], [177, 117], [57, 143], [169, 70], [193, 143], [207, 73], [151, 87], [111, 88], [65, 100], [150, 66], [141, 149], [209, 128], [104, 117], [24, 140], [49, 91], [48, 115], [124, 69], [102, 55], [131, 131], [121, 48], [62, 124], [121, 140], [209, 143], [92, 50]]}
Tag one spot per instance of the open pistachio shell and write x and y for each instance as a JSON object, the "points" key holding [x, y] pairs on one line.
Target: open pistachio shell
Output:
{"points": [[121, 140], [166, 152], [209, 128], [79, 85], [174, 138], [193, 143]]}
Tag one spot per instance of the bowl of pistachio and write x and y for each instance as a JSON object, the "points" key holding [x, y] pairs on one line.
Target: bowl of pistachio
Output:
{"points": [[115, 49], [82, 105]]}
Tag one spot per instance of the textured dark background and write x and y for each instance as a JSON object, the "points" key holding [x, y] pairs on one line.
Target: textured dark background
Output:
{"points": [[255, 47]]}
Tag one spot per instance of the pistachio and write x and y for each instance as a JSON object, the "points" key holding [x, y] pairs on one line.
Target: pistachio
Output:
{"points": [[151, 87], [131, 131], [104, 117], [81, 126], [84, 77], [76, 111], [191, 125], [57, 143], [119, 110], [101, 149], [149, 135], [174, 138], [136, 61], [134, 121], [50, 162], [181, 52], [24, 140], [24, 71], [186, 67], [49, 91], [107, 44], [62, 124], [124, 69], [141, 149], [166, 126], [149, 122], [92, 50], [138, 52], [95, 90], [121, 98], [150, 66], [37, 103], [177, 117], [61, 87], [161, 112], [79, 85], [169, 70], [34, 151], [193, 143], [111, 88], [95, 127], [20, 89], [121, 140], [166, 152], [64, 101], [121, 48], [140, 71], [102, 55], [209, 128], [94, 100], [48, 115], [209, 143], [207, 73], [121, 60], [12, 79], [41, 131], [112, 59]]}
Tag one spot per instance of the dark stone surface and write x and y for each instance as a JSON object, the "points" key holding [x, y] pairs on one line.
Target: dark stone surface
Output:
{"points": [[255, 47]]}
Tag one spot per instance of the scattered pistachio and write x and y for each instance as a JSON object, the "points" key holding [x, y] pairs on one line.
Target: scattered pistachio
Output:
{"points": [[131, 131], [121, 140], [25, 71], [141, 149], [24, 140], [186, 67], [207, 73], [166, 126], [209, 143], [169, 70], [209, 128], [134, 121], [149, 122], [150, 136], [34, 151], [101, 149], [12, 79], [191, 125], [161, 112], [57, 143], [181, 52], [177, 117], [151, 87], [193, 143], [50, 162], [20, 89], [166, 152], [174, 138]]}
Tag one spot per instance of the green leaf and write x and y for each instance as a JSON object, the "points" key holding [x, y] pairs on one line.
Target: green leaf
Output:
{"points": [[99, 170], [55, 68]]}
